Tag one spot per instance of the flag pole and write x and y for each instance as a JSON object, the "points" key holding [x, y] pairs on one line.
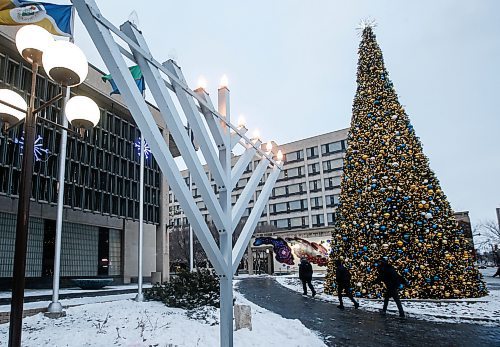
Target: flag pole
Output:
{"points": [[191, 247], [55, 308], [140, 297]]}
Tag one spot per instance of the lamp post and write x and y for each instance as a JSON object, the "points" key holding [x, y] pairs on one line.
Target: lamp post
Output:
{"points": [[66, 64]]}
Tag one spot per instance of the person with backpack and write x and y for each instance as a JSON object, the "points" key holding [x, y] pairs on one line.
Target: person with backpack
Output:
{"points": [[305, 275], [343, 279], [393, 281]]}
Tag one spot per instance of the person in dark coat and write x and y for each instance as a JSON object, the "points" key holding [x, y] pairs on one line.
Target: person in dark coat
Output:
{"points": [[392, 281], [305, 275], [343, 279]]}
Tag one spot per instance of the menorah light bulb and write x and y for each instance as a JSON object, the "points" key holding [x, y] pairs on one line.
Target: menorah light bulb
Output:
{"points": [[202, 83], [269, 146], [224, 82], [279, 156], [256, 135], [241, 122]]}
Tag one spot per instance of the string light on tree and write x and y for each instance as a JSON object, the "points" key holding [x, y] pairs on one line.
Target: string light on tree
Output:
{"points": [[391, 203]]}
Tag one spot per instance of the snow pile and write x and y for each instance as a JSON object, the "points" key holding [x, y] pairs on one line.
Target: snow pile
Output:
{"points": [[129, 323], [484, 310]]}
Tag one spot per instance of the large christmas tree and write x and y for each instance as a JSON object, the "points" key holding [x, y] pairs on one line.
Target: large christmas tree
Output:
{"points": [[391, 204]]}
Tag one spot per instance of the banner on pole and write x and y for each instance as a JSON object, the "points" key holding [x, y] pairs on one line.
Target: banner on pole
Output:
{"points": [[56, 19]]}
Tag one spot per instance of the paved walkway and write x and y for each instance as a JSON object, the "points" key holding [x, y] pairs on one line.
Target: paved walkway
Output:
{"points": [[362, 328]]}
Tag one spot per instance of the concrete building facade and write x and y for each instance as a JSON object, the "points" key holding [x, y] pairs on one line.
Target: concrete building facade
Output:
{"points": [[101, 203]]}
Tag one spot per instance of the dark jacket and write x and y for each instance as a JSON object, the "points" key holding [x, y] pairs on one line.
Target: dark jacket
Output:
{"points": [[305, 270], [343, 276], [390, 277]]}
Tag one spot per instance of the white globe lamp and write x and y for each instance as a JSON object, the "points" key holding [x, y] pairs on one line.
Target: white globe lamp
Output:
{"points": [[65, 63], [32, 41], [8, 114], [82, 112]]}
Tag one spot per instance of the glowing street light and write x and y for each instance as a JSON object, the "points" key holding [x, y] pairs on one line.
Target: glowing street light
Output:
{"points": [[8, 114], [82, 112], [66, 64]]}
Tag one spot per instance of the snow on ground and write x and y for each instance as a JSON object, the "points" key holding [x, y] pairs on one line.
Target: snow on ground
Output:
{"points": [[129, 323], [484, 310]]}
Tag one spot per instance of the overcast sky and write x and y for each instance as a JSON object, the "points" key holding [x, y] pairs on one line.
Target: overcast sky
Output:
{"points": [[292, 71]]}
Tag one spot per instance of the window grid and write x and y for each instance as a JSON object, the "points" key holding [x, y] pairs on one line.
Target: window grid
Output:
{"points": [[102, 170]]}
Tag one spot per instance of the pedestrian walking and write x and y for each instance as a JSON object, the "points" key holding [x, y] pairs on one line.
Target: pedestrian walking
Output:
{"points": [[392, 280], [305, 275], [343, 279]]}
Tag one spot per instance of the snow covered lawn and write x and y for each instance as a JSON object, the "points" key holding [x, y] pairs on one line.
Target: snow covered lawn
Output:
{"points": [[129, 323], [484, 310]]}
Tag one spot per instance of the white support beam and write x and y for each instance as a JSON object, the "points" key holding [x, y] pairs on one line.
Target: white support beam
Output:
{"points": [[236, 136], [97, 16], [249, 228], [175, 126], [200, 132], [207, 109], [110, 53], [247, 193], [241, 165]]}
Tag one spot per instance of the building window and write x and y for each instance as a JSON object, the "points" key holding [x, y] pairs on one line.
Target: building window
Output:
{"points": [[278, 208], [279, 191], [331, 218], [297, 205], [312, 152], [299, 222], [318, 220], [281, 223], [313, 169], [317, 202], [314, 186], [294, 156], [248, 168], [332, 200], [332, 182], [295, 188], [332, 165], [295, 172], [330, 148], [241, 183]]}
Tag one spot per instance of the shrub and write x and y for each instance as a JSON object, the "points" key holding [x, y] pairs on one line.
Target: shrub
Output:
{"points": [[187, 290]]}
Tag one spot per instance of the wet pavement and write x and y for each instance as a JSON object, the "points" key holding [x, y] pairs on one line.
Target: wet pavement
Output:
{"points": [[362, 328]]}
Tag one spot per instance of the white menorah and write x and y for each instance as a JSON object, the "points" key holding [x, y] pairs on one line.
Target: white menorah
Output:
{"points": [[204, 121]]}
